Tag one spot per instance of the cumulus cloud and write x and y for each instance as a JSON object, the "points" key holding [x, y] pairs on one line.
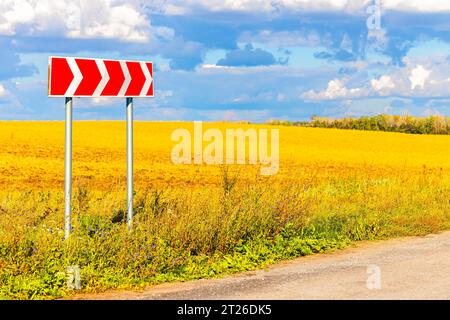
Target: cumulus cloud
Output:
{"points": [[414, 80], [82, 19], [39, 25], [383, 85], [419, 75], [336, 89], [14, 13]]}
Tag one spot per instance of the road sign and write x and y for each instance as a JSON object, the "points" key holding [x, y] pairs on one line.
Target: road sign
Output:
{"points": [[84, 77]]}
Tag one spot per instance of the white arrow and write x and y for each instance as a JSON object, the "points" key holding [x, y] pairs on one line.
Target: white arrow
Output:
{"points": [[77, 77], [148, 79], [105, 77], [127, 79]]}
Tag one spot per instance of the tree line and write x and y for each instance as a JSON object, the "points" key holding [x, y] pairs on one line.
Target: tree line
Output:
{"points": [[382, 122]]}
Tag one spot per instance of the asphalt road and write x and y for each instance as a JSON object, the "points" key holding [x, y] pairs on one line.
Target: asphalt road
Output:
{"points": [[407, 268]]}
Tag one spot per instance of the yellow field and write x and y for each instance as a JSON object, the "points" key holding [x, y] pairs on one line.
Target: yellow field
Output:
{"points": [[194, 221], [32, 154]]}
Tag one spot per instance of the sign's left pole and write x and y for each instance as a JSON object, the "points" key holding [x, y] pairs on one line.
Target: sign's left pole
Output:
{"points": [[129, 106], [68, 168]]}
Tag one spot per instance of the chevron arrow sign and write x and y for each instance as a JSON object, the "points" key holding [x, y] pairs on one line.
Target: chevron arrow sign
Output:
{"points": [[85, 77]]}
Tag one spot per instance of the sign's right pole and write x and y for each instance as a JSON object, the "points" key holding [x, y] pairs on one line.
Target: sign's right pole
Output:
{"points": [[129, 106], [68, 168]]}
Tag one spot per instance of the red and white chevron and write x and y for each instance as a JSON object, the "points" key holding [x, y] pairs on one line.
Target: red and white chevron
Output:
{"points": [[85, 77]]}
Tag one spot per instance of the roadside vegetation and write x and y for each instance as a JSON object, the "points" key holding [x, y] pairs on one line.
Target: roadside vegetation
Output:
{"points": [[183, 236]]}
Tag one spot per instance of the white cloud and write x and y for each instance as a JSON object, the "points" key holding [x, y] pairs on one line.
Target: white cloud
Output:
{"points": [[383, 85], [164, 33], [270, 5], [336, 89], [425, 77], [274, 69], [127, 21], [81, 19], [350, 6], [419, 75], [3, 91], [417, 5], [19, 12], [175, 10]]}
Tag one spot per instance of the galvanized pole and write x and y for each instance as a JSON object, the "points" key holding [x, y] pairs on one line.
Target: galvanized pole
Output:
{"points": [[129, 106], [68, 168]]}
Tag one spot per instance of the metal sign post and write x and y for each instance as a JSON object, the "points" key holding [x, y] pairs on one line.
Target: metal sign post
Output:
{"points": [[86, 77], [129, 107], [68, 168]]}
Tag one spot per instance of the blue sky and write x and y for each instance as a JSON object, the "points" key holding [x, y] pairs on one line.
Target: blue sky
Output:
{"points": [[235, 59]]}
